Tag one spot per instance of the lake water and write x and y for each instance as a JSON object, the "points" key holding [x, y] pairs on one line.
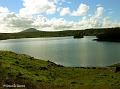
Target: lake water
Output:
{"points": [[66, 50]]}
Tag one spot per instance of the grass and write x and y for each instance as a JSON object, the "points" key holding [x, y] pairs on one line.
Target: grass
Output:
{"points": [[38, 74]]}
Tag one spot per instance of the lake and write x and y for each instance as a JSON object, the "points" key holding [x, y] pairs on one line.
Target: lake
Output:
{"points": [[66, 50]]}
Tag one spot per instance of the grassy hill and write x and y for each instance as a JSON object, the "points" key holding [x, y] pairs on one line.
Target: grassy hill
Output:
{"points": [[33, 33], [38, 74], [30, 30], [110, 35]]}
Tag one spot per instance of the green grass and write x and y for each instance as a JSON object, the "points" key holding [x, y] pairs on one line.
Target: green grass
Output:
{"points": [[38, 74]]}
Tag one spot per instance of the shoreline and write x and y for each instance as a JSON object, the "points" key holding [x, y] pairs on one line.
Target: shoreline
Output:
{"points": [[21, 69], [37, 37], [106, 40]]}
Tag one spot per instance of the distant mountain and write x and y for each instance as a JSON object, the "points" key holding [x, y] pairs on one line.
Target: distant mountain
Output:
{"points": [[33, 33], [31, 30]]}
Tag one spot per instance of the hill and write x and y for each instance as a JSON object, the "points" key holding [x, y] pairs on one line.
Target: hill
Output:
{"points": [[30, 30], [33, 33], [112, 35]]}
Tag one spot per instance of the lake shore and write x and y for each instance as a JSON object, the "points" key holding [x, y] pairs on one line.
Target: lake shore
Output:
{"points": [[21, 69], [107, 40], [112, 35]]}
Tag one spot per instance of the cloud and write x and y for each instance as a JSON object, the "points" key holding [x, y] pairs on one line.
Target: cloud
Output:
{"points": [[93, 21], [4, 10], [82, 10], [110, 11], [65, 11], [99, 5], [107, 23], [90, 22], [14, 23], [42, 22], [10, 22], [99, 11], [31, 7]]}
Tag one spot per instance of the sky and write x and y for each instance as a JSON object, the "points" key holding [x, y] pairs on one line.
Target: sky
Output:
{"points": [[56, 15]]}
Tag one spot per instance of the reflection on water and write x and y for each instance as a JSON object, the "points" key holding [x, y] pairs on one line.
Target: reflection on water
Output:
{"points": [[66, 50]]}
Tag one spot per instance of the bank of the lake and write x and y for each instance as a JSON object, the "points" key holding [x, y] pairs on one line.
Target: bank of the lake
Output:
{"points": [[112, 35], [38, 74], [34, 33]]}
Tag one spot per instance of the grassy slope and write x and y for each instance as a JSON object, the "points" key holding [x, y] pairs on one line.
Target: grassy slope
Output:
{"points": [[110, 35], [35, 34], [39, 74]]}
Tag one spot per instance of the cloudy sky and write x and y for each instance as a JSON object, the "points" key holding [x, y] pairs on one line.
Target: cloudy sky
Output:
{"points": [[55, 15]]}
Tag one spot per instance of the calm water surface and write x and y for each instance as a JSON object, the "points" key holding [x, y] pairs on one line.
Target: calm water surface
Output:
{"points": [[66, 50]]}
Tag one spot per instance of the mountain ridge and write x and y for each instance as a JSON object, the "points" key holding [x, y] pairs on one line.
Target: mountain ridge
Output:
{"points": [[31, 30]]}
